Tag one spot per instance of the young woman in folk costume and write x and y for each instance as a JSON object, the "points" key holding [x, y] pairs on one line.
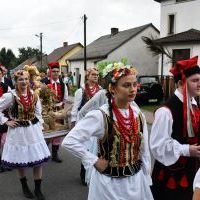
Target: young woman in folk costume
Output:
{"points": [[174, 138], [98, 100], [25, 145], [122, 167], [82, 95]]}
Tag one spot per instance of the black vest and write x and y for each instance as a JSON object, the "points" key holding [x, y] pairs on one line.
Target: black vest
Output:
{"points": [[185, 166]]}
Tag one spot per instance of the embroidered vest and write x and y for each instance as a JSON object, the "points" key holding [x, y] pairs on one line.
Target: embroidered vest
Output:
{"points": [[180, 174], [17, 111], [124, 158]]}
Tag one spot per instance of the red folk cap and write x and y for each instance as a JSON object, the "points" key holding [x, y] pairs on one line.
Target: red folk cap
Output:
{"points": [[53, 65], [188, 67]]}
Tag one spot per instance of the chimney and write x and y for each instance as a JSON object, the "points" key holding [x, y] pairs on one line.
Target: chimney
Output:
{"points": [[65, 44], [114, 31]]}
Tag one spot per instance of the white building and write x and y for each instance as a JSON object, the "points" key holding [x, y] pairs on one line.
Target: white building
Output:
{"points": [[117, 45], [179, 30]]}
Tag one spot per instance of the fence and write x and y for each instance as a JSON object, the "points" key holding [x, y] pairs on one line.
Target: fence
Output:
{"points": [[168, 85]]}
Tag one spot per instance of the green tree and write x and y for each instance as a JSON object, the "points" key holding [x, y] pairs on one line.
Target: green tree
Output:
{"points": [[26, 53], [7, 58]]}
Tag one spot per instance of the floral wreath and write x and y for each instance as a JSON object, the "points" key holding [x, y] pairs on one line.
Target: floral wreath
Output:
{"points": [[118, 70]]}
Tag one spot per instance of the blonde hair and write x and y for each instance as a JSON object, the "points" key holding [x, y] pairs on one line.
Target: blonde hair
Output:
{"points": [[19, 73]]}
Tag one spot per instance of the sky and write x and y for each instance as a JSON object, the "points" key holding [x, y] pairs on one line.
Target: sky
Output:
{"points": [[61, 20]]}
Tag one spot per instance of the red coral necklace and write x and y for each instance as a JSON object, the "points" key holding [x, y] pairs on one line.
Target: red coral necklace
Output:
{"points": [[128, 126], [26, 101], [91, 91]]}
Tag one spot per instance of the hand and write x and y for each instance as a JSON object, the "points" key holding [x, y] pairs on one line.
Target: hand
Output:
{"points": [[12, 123], [196, 195], [101, 164], [194, 150]]}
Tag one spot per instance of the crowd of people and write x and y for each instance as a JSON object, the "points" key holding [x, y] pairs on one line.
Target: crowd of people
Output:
{"points": [[108, 133]]}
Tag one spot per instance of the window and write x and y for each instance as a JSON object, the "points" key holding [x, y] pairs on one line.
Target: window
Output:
{"points": [[171, 24], [181, 54]]}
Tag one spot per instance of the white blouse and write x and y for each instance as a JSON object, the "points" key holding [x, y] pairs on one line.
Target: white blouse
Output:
{"points": [[164, 148], [8, 99]]}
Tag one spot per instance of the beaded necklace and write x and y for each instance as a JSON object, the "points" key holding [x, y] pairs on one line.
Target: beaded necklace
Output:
{"points": [[127, 126], [26, 100], [91, 91]]}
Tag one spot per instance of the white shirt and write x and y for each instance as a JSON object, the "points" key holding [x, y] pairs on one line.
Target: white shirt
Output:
{"points": [[164, 148]]}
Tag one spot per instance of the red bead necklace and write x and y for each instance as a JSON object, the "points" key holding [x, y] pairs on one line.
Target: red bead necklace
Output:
{"points": [[26, 101], [91, 91], [128, 126]]}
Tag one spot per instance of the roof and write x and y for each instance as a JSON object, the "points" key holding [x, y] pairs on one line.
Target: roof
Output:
{"points": [[61, 51], [29, 61], [191, 35], [100, 48]]}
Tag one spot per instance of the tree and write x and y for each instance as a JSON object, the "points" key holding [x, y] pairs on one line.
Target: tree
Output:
{"points": [[26, 53], [7, 58]]}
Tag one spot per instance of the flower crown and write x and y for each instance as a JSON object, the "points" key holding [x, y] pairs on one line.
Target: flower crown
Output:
{"points": [[118, 70]]}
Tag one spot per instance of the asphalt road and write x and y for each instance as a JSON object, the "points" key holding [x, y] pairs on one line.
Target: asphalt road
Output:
{"points": [[60, 181]]}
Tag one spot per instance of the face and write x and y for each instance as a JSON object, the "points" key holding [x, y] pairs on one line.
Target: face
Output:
{"points": [[125, 89], [193, 83], [55, 74], [23, 82], [93, 76]]}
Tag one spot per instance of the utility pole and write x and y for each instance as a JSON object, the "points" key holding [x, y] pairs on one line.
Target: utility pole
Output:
{"points": [[85, 50], [40, 36]]}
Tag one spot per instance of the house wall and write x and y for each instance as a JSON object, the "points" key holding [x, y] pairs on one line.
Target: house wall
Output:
{"points": [[73, 65], [187, 15], [194, 50], [137, 54], [64, 60]]}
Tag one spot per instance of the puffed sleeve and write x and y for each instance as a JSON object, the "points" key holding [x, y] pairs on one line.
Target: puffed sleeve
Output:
{"points": [[164, 148], [5, 102], [77, 103], [38, 111], [146, 157], [196, 183], [94, 103], [74, 141]]}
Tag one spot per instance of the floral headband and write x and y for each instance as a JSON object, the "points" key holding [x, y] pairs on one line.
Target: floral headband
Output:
{"points": [[118, 70], [19, 73]]}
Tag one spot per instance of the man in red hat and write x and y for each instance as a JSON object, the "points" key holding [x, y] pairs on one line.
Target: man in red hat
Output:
{"points": [[174, 139], [62, 94]]}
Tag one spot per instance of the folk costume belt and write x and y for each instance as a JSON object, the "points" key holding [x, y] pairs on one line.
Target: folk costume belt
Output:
{"points": [[27, 123], [120, 172]]}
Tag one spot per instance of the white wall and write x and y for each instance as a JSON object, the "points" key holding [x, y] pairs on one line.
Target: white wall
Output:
{"points": [[80, 64], [194, 51], [187, 15], [137, 54]]}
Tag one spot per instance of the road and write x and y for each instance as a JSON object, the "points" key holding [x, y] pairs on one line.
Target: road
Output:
{"points": [[60, 181]]}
